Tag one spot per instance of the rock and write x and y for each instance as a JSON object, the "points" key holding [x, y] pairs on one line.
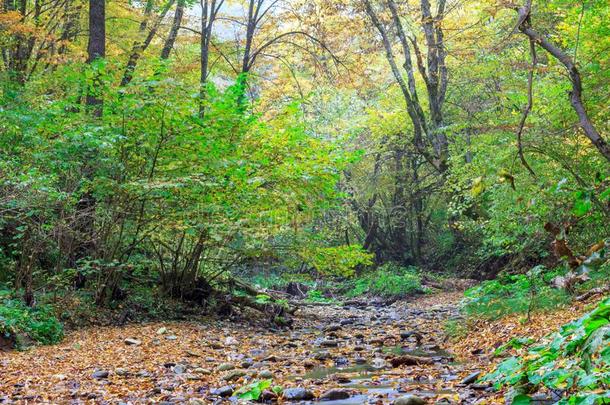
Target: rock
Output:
{"points": [[334, 395], [179, 368], [322, 356], [297, 394], [329, 343], [121, 371], [471, 378], [224, 392], [268, 396], [231, 341], [341, 361], [143, 373], [225, 367], [409, 400], [132, 342], [161, 330], [204, 371], [247, 363], [233, 375], [360, 360], [332, 328], [265, 374], [100, 374], [171, 337], [406, 335]]}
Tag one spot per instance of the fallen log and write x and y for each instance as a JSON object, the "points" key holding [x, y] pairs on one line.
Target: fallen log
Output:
{"points": [[591, 293]]}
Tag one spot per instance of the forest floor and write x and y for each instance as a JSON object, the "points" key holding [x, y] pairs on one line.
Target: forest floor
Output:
{"points": [[346, 354]]}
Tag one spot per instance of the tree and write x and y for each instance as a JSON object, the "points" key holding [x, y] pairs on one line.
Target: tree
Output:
{"points": [[524, 25], [96, 49]]}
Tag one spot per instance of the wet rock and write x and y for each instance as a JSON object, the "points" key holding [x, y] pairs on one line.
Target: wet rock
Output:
{"points": [[341, 361], [265, 374], [224, 392], [409, 400], [344, 322], [132, 342], [225, 367], [360, 360], [471, 378], [247, 363], [100, 374], [334, 395], [297, 394], [233, 375]]}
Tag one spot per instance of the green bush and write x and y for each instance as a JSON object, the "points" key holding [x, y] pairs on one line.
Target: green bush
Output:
{"points": [[513, 294], [575, 360], [389, 280], [39, 324]]}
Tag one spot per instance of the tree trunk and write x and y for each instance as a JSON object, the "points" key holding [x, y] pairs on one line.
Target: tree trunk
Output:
{"points": [[96, 49]]}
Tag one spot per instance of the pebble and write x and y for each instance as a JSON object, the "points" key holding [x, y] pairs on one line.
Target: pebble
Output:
{"points": [[409, 400], [297, 394], [334, 395], [100, 374]]}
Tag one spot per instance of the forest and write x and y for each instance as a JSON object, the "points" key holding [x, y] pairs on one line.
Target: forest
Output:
{"points": [[305, 201]]}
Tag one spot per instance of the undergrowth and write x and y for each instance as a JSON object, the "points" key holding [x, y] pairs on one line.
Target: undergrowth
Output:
{"points": [[514, 294], [389, 280], [574, 361], [19, 323]]}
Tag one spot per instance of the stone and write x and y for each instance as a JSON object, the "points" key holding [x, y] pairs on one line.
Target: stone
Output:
{"points": [[121, 371], [161, 330], [265, 374], [100, 374], [332, 328], [233, 375], [297, 394], [409, 400], [329, 343], [204, 371], [179, 368], [224, 392], [334, 395], [225, 367], [471, 378], [321, 356], [171, 337], [132, 342], [231, 341]]}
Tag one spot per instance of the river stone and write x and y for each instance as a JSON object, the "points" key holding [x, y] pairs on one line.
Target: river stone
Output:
{"points": [[334, 395], [329, 343], [265, 374], [179, 368], [100, 374], [471, 378], [132, 342], [297, 394], [409, 400], [224, 392], [233, 375], [225, 367]]}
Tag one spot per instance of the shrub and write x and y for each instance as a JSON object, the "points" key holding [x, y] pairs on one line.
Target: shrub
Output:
{"points": [[389, 280], [510, 294], [575, 360], [18, 321]]}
